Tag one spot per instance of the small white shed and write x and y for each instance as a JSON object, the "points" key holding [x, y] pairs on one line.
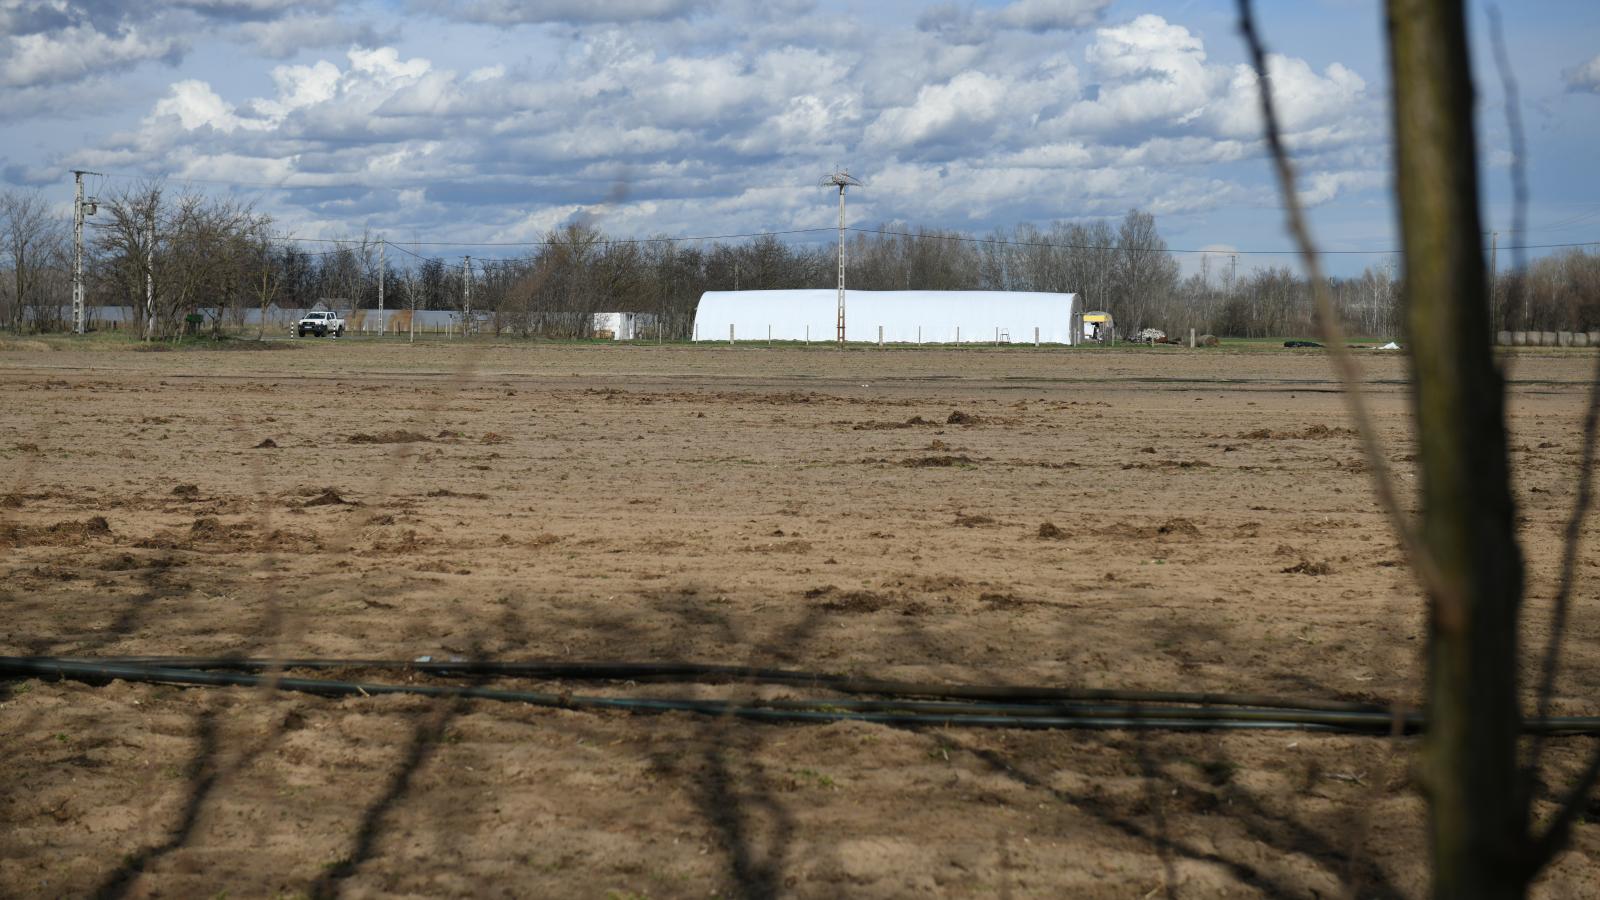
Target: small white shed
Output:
{"points": [[619, 326]]}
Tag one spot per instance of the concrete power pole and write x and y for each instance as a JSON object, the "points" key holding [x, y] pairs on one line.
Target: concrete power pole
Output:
{"points": [[80, 208], [841, 179], [466, 303], [150, 278], [1494, 252], [382, 321]]}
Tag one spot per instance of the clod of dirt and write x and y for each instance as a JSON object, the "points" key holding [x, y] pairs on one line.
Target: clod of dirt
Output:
{"points": [[1306, 567], [1169, 464], [957, 417], [1178, 526], [912, 422], [120, 563], [1313, 432], [328, 497], [446, 492], [938, 462], [266, 444], [493, 438], [848, 601], [1001, 601], [11, 501], [187, 491], [27, 448], [397, 436], [973, 521], [1048, 531], [207, 527], [61, 533]]}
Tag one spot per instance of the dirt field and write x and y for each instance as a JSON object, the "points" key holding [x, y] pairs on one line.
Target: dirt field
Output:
{"points": [[870, 512]]}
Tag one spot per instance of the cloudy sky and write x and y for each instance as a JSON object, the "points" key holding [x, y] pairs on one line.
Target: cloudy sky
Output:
{"points": [[496, 120]]}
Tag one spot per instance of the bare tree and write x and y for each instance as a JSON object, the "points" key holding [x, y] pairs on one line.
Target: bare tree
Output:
{"points": [[1465, 551], [128, 246], [33, 243]]}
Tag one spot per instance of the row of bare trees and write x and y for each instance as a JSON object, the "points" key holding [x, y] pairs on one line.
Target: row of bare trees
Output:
{"points": [[170, 254]]}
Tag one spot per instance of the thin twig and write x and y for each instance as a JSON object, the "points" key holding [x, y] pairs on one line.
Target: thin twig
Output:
{"points": [[1333, 335], [1519, 178]]}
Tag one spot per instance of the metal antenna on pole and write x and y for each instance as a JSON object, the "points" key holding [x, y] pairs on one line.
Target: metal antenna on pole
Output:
{"points": [[80, 208], [841, 179]]}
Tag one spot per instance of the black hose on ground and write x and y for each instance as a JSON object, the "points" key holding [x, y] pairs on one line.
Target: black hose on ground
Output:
{"points": [[716, 673], [895, 712]]}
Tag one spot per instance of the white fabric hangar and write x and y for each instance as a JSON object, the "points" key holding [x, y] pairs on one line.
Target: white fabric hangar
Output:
{"points": [[930, 317]]}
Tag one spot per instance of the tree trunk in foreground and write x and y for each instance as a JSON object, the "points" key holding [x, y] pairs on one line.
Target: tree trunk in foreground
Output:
{"points": [[1477, 823]]}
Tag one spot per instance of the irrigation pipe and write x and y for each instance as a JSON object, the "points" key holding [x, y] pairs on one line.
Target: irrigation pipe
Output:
{"points": [[714, 673], [893, 712]]}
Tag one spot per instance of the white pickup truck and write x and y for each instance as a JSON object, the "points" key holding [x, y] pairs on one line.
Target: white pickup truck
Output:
{"points": [[320, 323]]}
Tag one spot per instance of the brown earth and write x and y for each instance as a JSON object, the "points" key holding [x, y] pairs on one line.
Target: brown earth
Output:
{"points": [[1158, 518]]}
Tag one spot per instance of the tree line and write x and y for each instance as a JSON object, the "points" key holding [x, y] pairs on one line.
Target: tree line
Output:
{"points": [[169, 254]]}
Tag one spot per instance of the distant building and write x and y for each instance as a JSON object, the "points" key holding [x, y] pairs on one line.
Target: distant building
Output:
{"points": [[623, 326]]}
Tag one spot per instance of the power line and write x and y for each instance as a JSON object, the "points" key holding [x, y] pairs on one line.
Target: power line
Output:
{"points": [[1218, 252]]}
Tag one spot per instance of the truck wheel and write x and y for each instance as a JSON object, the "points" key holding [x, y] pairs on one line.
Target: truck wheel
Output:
{"points": [[340, 332], [302, 332], [322, 331]]}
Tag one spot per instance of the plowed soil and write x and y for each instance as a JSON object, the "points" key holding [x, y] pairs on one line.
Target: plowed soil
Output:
{"points": [[1163, 519]]}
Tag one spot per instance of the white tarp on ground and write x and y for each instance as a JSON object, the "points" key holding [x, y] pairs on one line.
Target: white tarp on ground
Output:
{"points": [[905, 316]]}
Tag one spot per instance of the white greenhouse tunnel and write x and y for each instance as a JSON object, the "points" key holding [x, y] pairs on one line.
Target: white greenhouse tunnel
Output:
{"points": [[895, 317]]}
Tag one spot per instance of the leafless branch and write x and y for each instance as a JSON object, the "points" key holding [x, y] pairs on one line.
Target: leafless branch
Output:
{"points": [[1519, 180], [1332, 333]]}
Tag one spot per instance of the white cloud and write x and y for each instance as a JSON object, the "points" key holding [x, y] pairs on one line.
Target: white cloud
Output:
{"points": [[1155, 83], [1050, 15], [300, 87], [73, 53], [1584, 78], [1322, 187], [519, 12], [285, 37], [970, 100], [195, 105]]}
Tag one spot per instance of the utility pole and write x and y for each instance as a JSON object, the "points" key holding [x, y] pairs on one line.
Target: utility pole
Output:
{"points": [[150, 276], [80, 208], [382, 322], [466, 306], [1494, 285], [841, 179]]}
